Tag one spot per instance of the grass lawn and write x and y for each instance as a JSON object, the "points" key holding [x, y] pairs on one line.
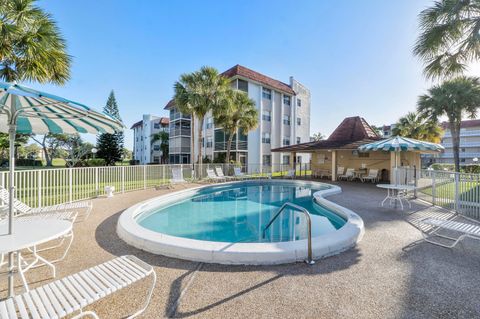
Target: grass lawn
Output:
{"points": [[468, 191]]}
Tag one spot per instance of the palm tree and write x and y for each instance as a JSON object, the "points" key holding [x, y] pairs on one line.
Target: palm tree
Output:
{"points": [[454, 99], [31, 47], [238, 113], [414, 126], [449, 37], [198, 93], [318, 136], [163, 138]]}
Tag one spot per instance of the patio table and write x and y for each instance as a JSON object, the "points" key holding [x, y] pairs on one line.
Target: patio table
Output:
{"points": [[29, 234], [396, 192]]}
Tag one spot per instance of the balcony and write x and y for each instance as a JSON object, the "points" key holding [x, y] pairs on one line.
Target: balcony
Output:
{"points": [[222, 146], [464, 133], [462, 155], [179, 132], [179, 150]]}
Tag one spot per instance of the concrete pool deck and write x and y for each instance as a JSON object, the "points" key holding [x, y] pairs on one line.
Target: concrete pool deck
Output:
{"points": [[376, 279]]}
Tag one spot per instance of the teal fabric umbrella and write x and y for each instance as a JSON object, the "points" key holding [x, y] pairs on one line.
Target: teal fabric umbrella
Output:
{"points": [[399, 143], [28, 111]]}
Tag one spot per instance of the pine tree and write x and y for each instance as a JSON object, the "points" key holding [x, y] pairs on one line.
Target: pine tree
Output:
{"points": [[110, 146]]}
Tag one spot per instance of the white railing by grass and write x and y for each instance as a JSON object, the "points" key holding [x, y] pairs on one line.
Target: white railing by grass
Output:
{"points": [[459, 192], [45, 187]]}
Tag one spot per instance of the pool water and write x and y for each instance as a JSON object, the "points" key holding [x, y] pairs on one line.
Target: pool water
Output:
{"points": [[239, 213]]}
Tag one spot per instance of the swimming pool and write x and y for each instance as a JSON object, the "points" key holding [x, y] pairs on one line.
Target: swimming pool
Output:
{"points": [[225, 223]]}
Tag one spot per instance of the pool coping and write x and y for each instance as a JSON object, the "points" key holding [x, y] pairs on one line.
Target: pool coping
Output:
{"points": [[325, 245]]}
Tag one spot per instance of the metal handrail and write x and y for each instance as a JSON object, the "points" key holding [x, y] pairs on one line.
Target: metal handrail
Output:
{"points": [[309, 260]]}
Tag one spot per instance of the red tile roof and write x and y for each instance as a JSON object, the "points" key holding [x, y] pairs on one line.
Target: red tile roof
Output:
{"points": [[247, 73], [136, 124]]}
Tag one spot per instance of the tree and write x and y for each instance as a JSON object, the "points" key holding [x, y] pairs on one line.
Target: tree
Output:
{"points": [[318, 137], [198, 93], [76, 150], [449, 37], [31, 46], [20, 140], [236, 114], [163, 138], [454, 99], [110, 146], [415, 126], [51, 145]]}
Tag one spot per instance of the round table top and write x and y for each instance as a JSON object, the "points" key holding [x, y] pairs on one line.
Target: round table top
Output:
{"points": [[27, 233], [396, 186]]}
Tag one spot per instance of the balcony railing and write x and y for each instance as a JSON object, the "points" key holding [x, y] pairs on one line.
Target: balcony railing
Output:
{"points": [[222, 146], [180, 132]]}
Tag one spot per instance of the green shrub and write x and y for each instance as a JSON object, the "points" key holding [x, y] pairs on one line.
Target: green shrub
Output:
{"points": [[95, 162]]}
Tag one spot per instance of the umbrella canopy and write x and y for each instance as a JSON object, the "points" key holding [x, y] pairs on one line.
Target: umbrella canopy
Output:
{"points": [[399, 144], [35, 112], [28, 111]]}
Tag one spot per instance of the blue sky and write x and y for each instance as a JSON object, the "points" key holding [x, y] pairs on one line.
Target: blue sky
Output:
{"points": [[355, 56]]}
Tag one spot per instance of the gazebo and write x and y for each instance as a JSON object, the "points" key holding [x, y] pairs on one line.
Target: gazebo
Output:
{"points": [[341, 149]]}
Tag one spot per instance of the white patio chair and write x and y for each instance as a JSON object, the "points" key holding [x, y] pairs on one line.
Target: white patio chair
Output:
{"points": [[220, 174], [465, 229], [177, 176], [371, 177], [73, 293], [340, 170], [349, 175], [211, 176], [23, 208], [290, 174], [237, 171]]}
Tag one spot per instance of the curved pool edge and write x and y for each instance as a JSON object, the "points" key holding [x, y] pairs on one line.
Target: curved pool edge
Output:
{"points": [[342, 239]]}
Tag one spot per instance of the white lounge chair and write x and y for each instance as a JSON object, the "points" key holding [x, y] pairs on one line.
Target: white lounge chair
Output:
{"points": [[465, 229], [219, 172], [73, 293], [177, 176], [23, 208], [237, 171], [371, 177], [214, 177], [349, 174], [290, 174]]}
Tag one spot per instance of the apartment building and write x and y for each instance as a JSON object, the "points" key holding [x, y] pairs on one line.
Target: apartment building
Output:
{"points": [[284, 119], [469, 143], [144, 151]]}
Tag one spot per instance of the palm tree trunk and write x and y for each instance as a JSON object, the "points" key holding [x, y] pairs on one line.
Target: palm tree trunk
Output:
{"points": [[200, 135], [229, 147], [455, 131]]}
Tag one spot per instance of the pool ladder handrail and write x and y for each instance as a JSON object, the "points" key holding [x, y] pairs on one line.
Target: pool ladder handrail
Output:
{"points": [[309, 259]]}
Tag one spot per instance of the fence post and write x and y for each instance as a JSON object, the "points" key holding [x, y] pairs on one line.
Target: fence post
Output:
{"points": [[144, 176], [123, 178], [457, 175], [70, 185], [433, 188], [164, 180], [39, 187], [96, 181]]}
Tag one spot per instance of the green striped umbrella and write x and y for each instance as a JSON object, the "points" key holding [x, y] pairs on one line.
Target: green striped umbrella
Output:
{"points": [[28, 111], [399, 143]]}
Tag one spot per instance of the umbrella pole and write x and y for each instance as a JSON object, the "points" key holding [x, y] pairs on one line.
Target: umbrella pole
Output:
{"points": [[11, 184]]}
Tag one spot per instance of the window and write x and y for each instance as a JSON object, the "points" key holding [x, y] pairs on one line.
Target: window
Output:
{"points": [[267, 115], [156, 126], [298, 140], [156, 147], [286, 100], [299, 159], [286, 119], [286, 141], [267, 93], [267, 159], [462, 160], [299, 121], [242, 85], [286, 159], [209, 122], [156, 159], [141, 138], [299, 102], [209, 141], [266, 138], [463, 150]]}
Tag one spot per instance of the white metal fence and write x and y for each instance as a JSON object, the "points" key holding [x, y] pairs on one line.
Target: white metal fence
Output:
{"points": [[456, 191], [44, 187]]}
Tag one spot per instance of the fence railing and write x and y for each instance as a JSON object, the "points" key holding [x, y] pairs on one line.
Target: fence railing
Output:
{"points": [[456, 191], [45, 187]]}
